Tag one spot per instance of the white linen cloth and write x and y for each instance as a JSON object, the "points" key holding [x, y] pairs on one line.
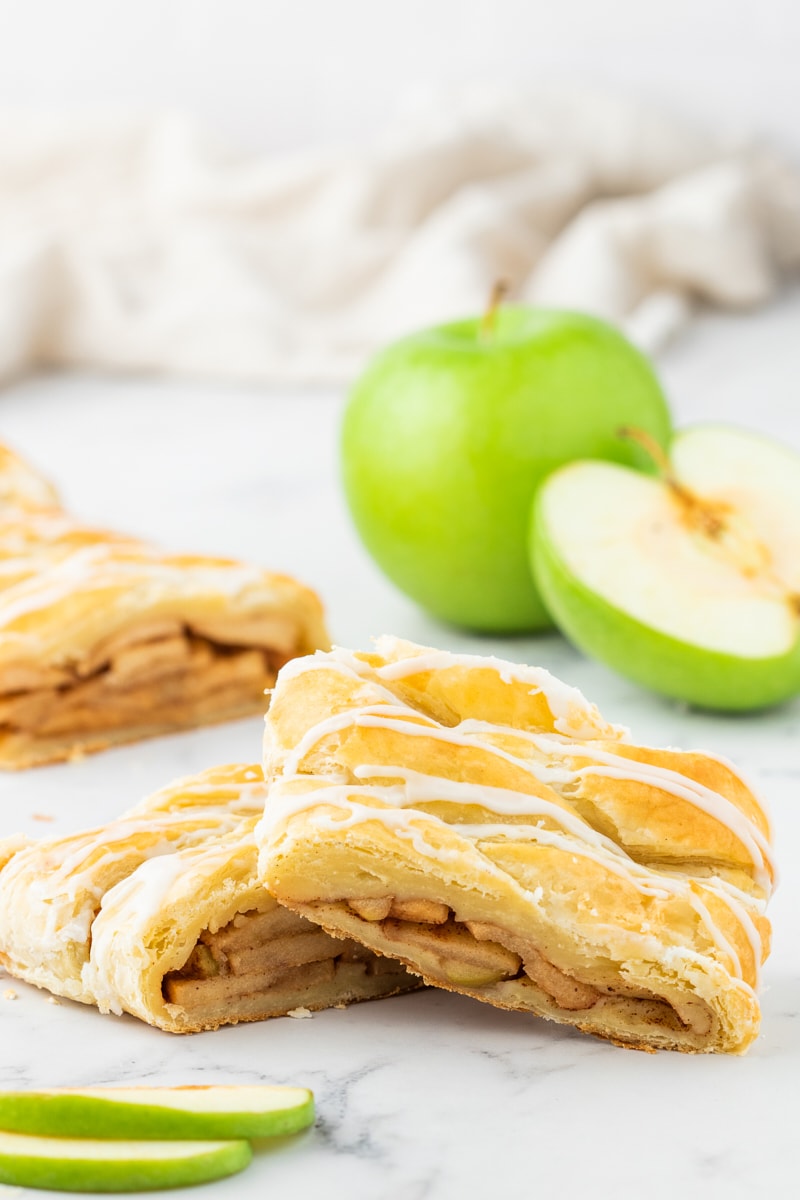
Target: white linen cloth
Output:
{"points": [[136, 245]]}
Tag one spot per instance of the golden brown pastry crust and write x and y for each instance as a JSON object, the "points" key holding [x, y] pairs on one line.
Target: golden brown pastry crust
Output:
{"points": [[535, 859], [105, 640], [161, 914], [21, 486]]}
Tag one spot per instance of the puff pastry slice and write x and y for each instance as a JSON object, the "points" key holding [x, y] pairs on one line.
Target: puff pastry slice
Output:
{"points": [[483, 824], [104, 639], [161, 914]]}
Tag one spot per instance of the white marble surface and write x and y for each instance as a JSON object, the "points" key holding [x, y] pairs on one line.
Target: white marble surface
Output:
{"points": [[429, 1095]]}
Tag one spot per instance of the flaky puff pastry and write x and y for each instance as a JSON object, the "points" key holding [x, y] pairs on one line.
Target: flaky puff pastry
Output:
{"points": [[161, 914], [482, 823], [105, 640]]}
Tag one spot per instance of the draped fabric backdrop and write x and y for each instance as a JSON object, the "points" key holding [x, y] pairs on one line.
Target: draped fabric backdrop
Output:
{"points": [[136, 245]]}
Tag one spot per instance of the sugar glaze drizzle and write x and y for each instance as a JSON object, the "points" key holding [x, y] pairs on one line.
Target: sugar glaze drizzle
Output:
{"points": [[550, 759], [563, 701]]}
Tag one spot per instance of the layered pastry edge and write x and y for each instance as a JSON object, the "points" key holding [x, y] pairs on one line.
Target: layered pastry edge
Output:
{"points": [[105, 640], [161, 915], [621, 892]]}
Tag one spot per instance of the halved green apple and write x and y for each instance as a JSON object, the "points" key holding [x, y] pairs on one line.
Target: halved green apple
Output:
{"points": [[87, 1165], [159, 1112], [689, 584]]}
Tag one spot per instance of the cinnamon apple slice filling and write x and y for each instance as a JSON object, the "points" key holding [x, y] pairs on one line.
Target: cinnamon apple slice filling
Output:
{"points": [[104, 639], [489, 962], [587, 879], [162, 676], [262, 963]]}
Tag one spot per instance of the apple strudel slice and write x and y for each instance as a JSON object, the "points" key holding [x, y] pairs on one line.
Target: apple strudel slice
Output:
{"points": [[161, 914], [105, 640], [481, 823]]}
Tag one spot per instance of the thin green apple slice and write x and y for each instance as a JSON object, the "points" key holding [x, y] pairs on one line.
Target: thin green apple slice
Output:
{"points": [[689, 584], [87, 1165], [153, 1112]]}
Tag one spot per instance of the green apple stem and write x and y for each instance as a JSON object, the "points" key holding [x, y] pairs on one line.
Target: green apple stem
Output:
{"points": [[700, 514], [496, 298]]}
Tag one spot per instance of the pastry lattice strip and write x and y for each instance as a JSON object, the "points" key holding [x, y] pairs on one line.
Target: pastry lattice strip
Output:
{"points": [[553, 865], [105, 640], [161, 914]]}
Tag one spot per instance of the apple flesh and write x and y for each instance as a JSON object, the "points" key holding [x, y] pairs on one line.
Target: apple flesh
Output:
{"points": [[153, 1112], [688, 585], [85, 1165], [448, 434]]}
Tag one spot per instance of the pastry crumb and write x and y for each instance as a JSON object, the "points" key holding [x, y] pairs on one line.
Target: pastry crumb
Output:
{"points": [[42, 817], [53, 1000], [9, 994], [300, 1013]]}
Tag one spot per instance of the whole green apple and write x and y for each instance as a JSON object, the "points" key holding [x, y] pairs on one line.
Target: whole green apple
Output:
{"points": [[449, 433]]}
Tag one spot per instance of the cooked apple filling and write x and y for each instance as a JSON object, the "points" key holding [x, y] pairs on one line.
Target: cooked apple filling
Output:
{"points": [[158, 675], [262, 963], [427, 937]]}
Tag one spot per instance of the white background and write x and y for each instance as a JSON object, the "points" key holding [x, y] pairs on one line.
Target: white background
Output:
{"points": [[280, 73]]}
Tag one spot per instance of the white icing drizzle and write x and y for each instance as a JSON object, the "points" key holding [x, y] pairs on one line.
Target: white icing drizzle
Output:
{"points": [[745, 778], [144, 892], [571, 711], [143, 896], [231, 797], [738, 902], [396, 804], [420, 788], [400, 811], [396, 816], [53, 583], [148, 883], [407, 721], [123, 566], [398, 820], [334, 724], [75, 877], [707, 801], [343, 662], [701, 797], [401, 815], [194, 823], [639, 879], [617, 766], [716, 934], [403, 720]]}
